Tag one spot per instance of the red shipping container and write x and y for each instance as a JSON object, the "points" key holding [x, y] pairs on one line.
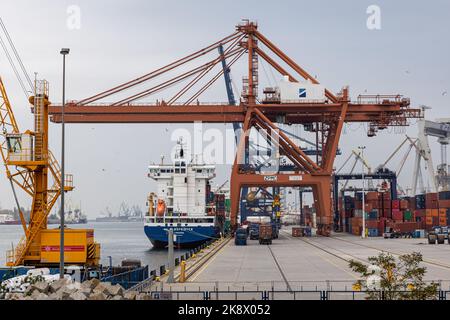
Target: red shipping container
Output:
{"points": [[412, 203], [419, 213], [372, 224], [395, 204], [434, 196], [404, 204], [397, 215], [444, 203], [372, 195]]}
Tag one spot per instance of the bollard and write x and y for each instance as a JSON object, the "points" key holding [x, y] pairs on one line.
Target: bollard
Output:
{"points": [[183, 258], [177, 261], [162, 270], [183, 272]]}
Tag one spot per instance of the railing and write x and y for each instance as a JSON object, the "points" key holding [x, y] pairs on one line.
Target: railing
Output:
{"points": [[143, 104], [130, 278], [285, 295], [68, 180], [22, 156], [378, 98]]}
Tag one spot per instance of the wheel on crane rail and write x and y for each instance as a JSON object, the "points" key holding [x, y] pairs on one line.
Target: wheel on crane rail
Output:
{"points": [[441, 239]]}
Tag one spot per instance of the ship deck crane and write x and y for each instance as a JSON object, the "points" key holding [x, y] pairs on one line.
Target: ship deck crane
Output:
{"points": [[325, 117]]}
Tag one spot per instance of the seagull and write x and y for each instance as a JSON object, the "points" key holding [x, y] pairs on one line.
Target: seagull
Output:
{"points": [[444, 93], [407, 71], [167, 129]]}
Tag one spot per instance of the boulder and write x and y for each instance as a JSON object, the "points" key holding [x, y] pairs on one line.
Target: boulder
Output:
{"points": [[85, 290], [14, 296], [56, 295], [97, 296], [41, 286], [77, 295], [36, 295], [143, 296], [91, 284], [108, 289], [66, 292], [115, 290], [130, 295], [58, 284]]}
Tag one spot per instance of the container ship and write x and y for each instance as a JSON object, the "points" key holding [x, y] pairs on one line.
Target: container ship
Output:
{"points": [[184, 202]]}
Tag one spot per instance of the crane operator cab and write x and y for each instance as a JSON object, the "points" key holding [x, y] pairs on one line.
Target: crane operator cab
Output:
{"points": [[20, 148]]}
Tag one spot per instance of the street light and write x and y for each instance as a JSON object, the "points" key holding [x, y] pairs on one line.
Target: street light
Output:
{"points": [[363, 235], [64, 52]]}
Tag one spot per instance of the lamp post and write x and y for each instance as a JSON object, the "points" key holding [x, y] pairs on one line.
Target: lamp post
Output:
{"points": [[64, 52], [363, 235]]}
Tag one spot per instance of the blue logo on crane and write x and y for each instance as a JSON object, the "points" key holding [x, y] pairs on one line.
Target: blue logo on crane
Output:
{"points": [[302, 93]]}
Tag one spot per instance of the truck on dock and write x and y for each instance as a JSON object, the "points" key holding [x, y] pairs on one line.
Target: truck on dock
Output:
{"points": [[240, 237], [254, 231], [438, 234], [265, 233]]}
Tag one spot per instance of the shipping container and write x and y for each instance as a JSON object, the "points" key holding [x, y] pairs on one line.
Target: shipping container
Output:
{"points": [[297, 232], [407, 215], [397, 215]]}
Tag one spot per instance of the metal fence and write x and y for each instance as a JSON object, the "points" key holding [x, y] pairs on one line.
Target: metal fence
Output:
{"points": [[278, 295], [130, 278]]}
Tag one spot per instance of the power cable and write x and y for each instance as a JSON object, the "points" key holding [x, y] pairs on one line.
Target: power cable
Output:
{"points": [[13, 66], [11, 43]]}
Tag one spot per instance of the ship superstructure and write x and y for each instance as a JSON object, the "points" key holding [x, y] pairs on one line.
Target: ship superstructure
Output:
{"points": [[180, 201]]}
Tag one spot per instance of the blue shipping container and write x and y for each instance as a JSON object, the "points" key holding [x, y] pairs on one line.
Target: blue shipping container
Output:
{"points": [[373, 232]]}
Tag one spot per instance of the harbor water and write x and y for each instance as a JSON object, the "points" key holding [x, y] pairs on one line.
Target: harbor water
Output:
{"points": [[119, 240]]}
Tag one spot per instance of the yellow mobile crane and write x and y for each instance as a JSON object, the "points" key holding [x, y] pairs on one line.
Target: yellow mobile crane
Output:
{"points": [[29, 163]]}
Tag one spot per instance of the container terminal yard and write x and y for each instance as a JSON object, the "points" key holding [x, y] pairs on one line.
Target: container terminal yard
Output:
{"points": [[286, 223]]}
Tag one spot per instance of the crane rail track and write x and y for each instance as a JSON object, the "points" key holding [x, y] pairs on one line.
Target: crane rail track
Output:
{"points": [[314, 244], [191, 270], [288, 286]]}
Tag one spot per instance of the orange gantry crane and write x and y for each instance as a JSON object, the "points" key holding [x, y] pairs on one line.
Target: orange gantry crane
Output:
{"points": [[324, 116], [29, 164]]}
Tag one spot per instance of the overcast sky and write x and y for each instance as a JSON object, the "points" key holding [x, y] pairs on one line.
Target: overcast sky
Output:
{"points": [[120, 40]]}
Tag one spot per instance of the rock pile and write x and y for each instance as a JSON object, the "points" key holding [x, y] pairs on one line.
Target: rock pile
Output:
{"points": [[65, 289]]}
